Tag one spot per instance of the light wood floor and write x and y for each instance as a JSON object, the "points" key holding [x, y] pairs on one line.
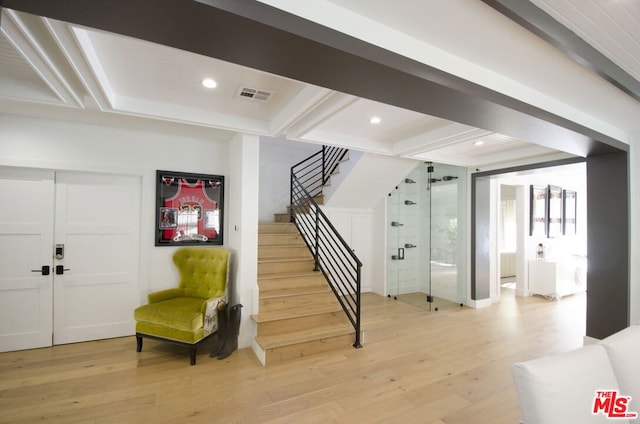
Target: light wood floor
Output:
{"points": [[419, 300], [450, 366]]}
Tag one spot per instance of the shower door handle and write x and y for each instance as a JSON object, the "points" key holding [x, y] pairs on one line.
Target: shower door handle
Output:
{"points": [[399, 256]]}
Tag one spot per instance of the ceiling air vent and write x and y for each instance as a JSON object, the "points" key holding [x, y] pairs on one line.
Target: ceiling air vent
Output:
{"points": [[254, 94]]}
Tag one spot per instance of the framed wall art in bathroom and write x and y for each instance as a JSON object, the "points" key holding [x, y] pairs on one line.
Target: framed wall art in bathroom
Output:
{"points": [[538, 210], [569, 207], [554, 214]]}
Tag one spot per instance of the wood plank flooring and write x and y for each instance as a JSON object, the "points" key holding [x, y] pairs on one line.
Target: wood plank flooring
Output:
{"points": [[450, 366]]}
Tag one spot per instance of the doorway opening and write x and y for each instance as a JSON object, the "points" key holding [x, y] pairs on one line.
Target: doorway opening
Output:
{"points": [[540, 233]]}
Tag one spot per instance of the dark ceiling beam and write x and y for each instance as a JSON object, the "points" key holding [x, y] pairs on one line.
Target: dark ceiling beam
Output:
{"points": [[255, 35], [529, 16]]}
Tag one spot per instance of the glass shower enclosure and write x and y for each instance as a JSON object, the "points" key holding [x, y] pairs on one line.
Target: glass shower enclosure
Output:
{"points": [[425, 238]]}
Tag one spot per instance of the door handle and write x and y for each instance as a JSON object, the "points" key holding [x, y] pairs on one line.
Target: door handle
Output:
{"points": [[60, 269], [399, 256], [45, 270]]}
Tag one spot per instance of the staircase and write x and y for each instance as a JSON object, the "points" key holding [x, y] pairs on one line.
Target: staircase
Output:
{"points": [[298, 313]]}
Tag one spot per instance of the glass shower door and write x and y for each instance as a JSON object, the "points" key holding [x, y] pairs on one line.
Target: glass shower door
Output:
{"points": [[424, 248], [403, 217]]}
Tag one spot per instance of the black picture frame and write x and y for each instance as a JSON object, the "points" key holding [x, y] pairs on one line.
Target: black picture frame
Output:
{"points": [[569, 211], [554, 212], [538, 210], [189, 209]]}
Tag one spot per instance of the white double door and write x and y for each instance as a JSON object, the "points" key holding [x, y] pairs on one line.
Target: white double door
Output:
{"points": [[69, 249]]}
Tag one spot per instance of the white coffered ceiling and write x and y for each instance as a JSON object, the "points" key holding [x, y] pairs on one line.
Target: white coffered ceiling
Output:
{"points": [[54, 69], [611, 26]]}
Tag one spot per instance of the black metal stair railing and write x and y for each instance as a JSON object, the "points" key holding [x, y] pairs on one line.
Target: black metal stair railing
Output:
{"points": [[332, 255]]}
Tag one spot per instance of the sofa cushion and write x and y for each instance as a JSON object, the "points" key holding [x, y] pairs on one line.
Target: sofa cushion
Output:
{"points": [[169, 333], [182, 313], [623, 349], [562, 388]]}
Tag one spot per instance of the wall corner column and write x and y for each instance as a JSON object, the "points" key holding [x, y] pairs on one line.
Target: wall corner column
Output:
{"points": [[242, 227], [608, 244]]}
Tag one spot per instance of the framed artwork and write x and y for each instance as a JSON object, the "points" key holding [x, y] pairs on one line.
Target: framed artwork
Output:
{"points": [[569, 207], [554, 213], [538, 210], [189, 208]]}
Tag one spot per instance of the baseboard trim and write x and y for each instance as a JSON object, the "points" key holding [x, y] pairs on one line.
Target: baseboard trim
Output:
{"points": [[482, 303], [259, 352]]}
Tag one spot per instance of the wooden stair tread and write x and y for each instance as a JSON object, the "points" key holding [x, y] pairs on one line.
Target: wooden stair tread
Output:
{"points": [[290, 275], [276, 251], [264, 256], [296, 312], [289, 244], [263, 227], [285, 260], [279, 274], [294, 291], [303, 336], [279, 239]]}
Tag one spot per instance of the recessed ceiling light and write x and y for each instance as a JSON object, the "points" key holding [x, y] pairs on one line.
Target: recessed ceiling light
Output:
{"points": [[478, 143], [209, 83], [375, 120]]}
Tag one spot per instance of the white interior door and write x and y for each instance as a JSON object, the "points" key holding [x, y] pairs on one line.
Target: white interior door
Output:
{"points": [[26, 237], [97, 219], [91, 290]]}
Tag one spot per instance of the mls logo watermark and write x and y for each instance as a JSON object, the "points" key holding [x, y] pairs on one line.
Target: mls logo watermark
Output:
{"points": [[612, 405]]}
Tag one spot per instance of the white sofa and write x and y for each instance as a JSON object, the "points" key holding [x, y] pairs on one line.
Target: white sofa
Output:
{"points": [[562, 388]]}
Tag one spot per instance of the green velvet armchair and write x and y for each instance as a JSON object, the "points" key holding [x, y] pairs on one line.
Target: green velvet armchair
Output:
{"points": [[187, 315]]}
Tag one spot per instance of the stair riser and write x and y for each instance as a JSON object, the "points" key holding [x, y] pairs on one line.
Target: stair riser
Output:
{"points": [[282, 217], [277, 228], [279, 239], [270, 268], [281, 252], [300, 350], [301, 323], [279, 303], [316, 280]]}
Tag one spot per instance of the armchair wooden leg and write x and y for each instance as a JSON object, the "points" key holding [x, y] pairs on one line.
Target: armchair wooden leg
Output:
{"points": [[192, 354], [138, 343]]}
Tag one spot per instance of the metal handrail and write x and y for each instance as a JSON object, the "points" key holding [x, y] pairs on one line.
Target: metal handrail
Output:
{"points": [[331, 254]]}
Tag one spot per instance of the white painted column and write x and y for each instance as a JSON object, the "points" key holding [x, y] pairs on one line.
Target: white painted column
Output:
{"points": [[522, 248], [242, 200]]}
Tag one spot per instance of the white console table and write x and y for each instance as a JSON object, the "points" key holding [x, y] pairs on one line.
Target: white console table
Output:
{"points": [[556, 279]]}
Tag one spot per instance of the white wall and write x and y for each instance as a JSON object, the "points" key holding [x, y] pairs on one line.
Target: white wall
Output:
{"points": [[277, 156], [485, 242], [355, 226], [58, 145], [379, 248], [370, 179]]}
